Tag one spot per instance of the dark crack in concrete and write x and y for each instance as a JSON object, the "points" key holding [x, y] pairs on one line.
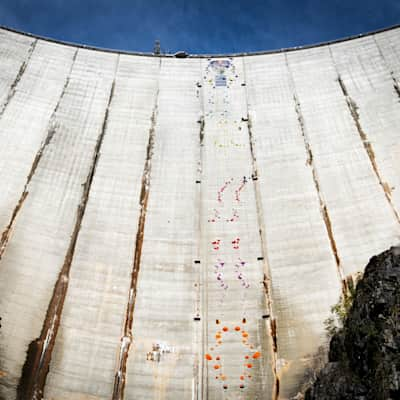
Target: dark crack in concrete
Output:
{"points": [[126, 340], [37, 363]]}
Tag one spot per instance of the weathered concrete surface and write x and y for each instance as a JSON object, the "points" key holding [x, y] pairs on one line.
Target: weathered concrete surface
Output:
{"points": [[91, 324], [373, 93], [15, 52], [361, 217], [228, 198], [165, 290], [229, 213], [41, 233], [26, 120], [303, 271]]}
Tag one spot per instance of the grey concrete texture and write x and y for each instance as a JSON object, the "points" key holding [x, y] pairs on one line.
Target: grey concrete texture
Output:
{"points": [[179, 228]]}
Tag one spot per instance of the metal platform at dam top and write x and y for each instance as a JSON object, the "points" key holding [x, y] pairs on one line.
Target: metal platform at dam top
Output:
{"points": [[180, 228]]}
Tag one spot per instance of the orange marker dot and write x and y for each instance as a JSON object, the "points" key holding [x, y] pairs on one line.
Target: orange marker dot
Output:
{"points": [[237, 328], [249, 365], [216, 366], [241, 377], [208, 357], [225, 329], [257, 354], [245, 334], [246, 357], [218, 336]]}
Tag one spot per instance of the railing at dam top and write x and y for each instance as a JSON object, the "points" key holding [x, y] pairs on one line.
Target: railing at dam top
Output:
{"points": [[183, 54]]}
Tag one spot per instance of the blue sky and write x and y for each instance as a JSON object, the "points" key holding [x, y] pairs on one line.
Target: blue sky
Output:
{"points": [[198, 26]]}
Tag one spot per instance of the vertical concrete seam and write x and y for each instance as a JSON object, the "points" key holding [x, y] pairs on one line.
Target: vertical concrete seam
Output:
{"points": [[127, 338], [202, 310], [310, 162], [267, 281], [353, 109], [51, 130], [396, 86], [37, 364], [22, 68]]}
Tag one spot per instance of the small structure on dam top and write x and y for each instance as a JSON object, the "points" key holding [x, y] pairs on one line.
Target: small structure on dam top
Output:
{"points": [[178, 227]]}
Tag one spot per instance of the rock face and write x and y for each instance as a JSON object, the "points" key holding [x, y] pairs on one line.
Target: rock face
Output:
{"points": [[364, 356]]}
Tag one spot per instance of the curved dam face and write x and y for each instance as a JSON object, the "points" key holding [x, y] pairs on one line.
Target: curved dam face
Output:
{"points": [[179, 228]]}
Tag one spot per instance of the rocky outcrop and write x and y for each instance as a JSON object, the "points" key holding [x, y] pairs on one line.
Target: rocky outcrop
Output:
{"points": [[364, 356]]}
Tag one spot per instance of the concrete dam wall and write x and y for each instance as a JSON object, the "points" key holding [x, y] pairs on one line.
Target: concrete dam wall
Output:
{"points": [[178, 228]]}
